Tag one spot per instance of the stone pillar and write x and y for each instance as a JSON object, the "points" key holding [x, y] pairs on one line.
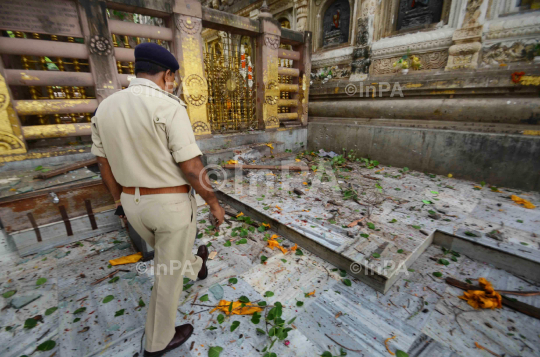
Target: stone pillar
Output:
{"points": [[365, 28], [95, 27], [267, 70], [11, 138], [304, 66], [188, 49], [301, 14], [463, 54]]}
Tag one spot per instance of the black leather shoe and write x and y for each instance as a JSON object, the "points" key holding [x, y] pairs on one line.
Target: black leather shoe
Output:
{"points": [[203, 253], [183, 333]]}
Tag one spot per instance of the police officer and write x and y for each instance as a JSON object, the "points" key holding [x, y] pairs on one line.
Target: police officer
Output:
{"points": [[149, 161]]}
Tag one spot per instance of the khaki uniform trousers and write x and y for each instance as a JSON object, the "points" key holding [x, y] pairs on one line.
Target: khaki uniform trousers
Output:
{"points": [[168, 223]]}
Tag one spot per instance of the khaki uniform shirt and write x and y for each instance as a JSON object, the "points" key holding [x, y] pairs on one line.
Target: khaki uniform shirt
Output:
{"points": [[144, 132]]}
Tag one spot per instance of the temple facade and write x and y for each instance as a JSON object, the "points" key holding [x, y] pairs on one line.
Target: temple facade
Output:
{"points": [[408, 82], [439, 85]]}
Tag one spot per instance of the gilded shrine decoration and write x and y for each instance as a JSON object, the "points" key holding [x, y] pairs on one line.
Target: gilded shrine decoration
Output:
{"points": [[335, 24], [272, 122], [200, 128], [195, 90], [271, 93], [189, 25], [10, 143], [231, 91]]}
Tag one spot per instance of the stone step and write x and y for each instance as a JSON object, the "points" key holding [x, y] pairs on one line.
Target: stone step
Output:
{"points": [[247, 152], [291, 124]]}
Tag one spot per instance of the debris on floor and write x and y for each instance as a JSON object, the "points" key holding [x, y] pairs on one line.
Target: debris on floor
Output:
{"points": [[71, 301]]}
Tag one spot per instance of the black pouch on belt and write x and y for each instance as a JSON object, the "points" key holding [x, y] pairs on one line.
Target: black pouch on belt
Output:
{"points": [[119, 211]]}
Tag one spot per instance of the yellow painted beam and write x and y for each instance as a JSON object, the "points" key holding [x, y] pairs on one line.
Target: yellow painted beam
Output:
{"points": [[288, 116], [287, 103], [56, 131], [288, 87]]}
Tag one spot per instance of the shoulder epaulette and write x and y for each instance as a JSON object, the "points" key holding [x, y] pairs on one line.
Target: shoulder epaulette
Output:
{"points": [[172, 96]]}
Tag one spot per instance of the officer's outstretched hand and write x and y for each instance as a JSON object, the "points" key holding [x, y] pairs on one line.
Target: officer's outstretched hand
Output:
{"points": [[219, 213]]}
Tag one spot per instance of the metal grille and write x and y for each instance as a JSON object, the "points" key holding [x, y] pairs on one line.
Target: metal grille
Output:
{"points": [[230, 73]]}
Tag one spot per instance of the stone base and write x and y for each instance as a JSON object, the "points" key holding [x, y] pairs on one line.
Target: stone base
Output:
{"points": [[463, 56], [437, 151], [358, 77], [466, 61]]}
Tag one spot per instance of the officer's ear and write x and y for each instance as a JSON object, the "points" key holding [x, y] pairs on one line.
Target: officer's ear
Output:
{"points": [[169, 80]]}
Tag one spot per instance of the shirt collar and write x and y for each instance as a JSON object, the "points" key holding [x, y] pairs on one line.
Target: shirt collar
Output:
{"points": [[143, 81]]}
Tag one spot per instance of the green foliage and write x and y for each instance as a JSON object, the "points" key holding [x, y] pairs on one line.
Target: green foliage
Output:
{"points": [[220, 318], [41, 281], [214, 351], [50, 310], [235, 325], [9, 294], [79, 310], [30, 323], [46, 346]]}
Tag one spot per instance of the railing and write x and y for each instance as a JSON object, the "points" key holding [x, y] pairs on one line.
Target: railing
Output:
{"points": [[131, 29], [51, 79], [292, 86], [56, 78]]}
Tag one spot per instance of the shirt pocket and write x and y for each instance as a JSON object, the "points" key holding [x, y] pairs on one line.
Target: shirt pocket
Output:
{"points": [[160, 123]]}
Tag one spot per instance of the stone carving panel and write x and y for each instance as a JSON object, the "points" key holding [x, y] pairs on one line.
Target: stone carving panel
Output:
{"points": [[430, 60], [100, 45], [271, 41], [272, 122], [498, 53], [195, 90], [188, 24], [336, 21], [200, 127]]}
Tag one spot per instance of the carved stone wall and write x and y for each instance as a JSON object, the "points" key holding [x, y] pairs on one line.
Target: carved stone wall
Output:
{"points": [[467, 40], [498, 54]]}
